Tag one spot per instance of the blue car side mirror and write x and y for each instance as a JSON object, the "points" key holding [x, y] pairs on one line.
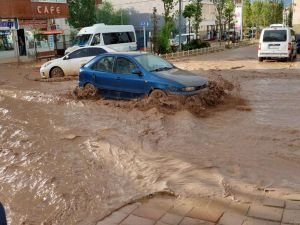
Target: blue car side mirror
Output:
{"points": [[137, 72]]}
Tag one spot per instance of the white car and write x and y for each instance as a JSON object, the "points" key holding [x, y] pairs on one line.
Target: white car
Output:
{"points": [[71, 63]]}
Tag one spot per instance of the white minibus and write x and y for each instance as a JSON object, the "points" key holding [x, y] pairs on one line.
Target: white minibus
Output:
{"points": [[121, 38]]}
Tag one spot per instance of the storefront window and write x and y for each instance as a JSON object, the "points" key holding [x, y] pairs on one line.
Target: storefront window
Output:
{"points": [[30, 39], [6, 40]]}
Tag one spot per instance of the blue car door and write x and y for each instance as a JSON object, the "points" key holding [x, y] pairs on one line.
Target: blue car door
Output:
{"points": [[103, 76], [130, 85]]}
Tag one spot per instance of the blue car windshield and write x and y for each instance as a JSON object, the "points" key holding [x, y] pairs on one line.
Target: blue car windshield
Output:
{"points": [[82, 40], [153, 63]]}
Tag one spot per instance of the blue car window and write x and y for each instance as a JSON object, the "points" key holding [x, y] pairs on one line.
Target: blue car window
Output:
{"points": [[152, 62], [104, 64], [124, 66]]}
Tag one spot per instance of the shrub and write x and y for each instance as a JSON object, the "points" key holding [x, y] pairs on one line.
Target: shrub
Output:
{"points": [[194, 44], [164, 44]]}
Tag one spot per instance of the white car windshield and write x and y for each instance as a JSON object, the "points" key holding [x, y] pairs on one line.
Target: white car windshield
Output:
{"points": [[153, 63]]}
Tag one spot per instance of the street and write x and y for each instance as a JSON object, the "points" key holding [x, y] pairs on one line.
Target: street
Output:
{"points": [[68, 161]]}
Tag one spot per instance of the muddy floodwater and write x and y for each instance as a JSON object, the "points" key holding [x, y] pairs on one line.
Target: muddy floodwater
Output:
{"points": [[68, 161]]}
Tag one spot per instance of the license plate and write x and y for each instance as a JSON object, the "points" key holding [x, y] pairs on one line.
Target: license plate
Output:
{"points": [[273, 47]]}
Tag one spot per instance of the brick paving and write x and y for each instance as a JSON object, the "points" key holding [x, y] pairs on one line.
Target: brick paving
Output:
{"points": [[168, 210]]}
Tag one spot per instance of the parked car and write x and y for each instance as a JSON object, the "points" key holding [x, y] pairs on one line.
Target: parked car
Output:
{"points": [[137, 74], [71, 63], [277, 41], [298, 42], [185, 38]]}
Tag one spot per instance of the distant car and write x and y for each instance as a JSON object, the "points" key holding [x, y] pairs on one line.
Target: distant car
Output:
{"points": [[71, 63], [136, 74], [298, 42]]}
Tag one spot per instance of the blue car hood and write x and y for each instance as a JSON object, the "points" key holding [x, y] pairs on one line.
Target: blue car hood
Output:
{"points": [[183, 77]]}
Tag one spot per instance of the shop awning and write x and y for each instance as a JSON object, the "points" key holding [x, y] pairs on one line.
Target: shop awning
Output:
{"points": [[51, 32]]}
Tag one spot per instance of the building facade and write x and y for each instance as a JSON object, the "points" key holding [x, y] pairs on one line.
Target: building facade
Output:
{"points": [[141, 11], [296, 15], [23, 23]]}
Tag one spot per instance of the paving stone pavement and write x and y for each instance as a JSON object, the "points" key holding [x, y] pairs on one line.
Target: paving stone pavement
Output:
{"points": [[169, 210]]}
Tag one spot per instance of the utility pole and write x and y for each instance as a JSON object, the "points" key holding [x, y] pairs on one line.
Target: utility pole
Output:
{"points": [[154, 35], [179, 21]]}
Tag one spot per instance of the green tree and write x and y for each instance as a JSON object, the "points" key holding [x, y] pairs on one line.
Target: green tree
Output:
{"points": [[229, 12], [256, 9], [108, 15], [189, 12], [290, 17], [168, 10], [164, 45], [198, 16], [247, 14], [220, 5], [81, 13]]}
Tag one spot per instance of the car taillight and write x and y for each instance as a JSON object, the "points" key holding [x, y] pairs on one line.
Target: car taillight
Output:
{"points": [[290, 46], [259, 45]]}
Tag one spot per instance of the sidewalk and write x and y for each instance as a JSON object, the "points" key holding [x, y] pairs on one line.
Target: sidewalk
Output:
{"points": [[166, 210]]}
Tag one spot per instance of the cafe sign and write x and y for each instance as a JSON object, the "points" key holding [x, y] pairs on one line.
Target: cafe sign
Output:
{"points": [[49, 10]]}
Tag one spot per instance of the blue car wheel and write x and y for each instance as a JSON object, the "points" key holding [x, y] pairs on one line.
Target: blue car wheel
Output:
{"points": [[90, 90], [157, 94]]}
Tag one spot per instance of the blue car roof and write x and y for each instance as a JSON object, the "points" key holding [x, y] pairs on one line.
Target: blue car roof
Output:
{"points": [[126, 53]]}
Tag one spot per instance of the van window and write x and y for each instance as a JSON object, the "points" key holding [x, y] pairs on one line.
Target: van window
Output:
{"points": [[118, 37], [275, 35], [96, 40]]}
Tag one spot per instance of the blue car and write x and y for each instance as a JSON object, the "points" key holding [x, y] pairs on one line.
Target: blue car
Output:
{"points": [[136, 74]]}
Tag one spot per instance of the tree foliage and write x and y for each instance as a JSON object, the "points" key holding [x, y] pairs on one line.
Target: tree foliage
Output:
{"points": [[290, 17], [189, 10], [247, 14], [229, 7], [168, 10], [193, 11], [220, 6], [264, 12], [198, 16], [81, 13], [108, 15]]}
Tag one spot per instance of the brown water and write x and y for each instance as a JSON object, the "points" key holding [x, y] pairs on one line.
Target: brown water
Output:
{"points": [[71, 162]]}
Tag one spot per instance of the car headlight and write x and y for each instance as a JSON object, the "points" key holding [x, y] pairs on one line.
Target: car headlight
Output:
{"points": [[189, 89]]}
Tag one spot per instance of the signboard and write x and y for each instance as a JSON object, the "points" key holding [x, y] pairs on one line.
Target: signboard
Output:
{"points": [[50, 1], [29, 9], [238, 18], [5, 23], [33, 24]]}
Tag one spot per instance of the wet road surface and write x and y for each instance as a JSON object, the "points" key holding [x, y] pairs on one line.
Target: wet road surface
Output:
{"points": [[71, 162]]}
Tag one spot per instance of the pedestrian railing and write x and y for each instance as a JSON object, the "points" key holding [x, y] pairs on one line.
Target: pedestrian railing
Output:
{"points": [[201, 51]]}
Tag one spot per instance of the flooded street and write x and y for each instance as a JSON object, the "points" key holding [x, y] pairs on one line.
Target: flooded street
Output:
{"points": [[67, 161]]}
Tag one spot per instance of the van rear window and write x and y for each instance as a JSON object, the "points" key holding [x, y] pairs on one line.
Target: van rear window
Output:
{"points": [[275, 35]]}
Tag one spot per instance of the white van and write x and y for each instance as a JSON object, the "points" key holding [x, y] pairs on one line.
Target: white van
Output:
{"points": [[121, 38], [277, 42]]}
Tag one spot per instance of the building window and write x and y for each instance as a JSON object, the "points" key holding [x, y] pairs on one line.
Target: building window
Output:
{"points": [[6, 40]]}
